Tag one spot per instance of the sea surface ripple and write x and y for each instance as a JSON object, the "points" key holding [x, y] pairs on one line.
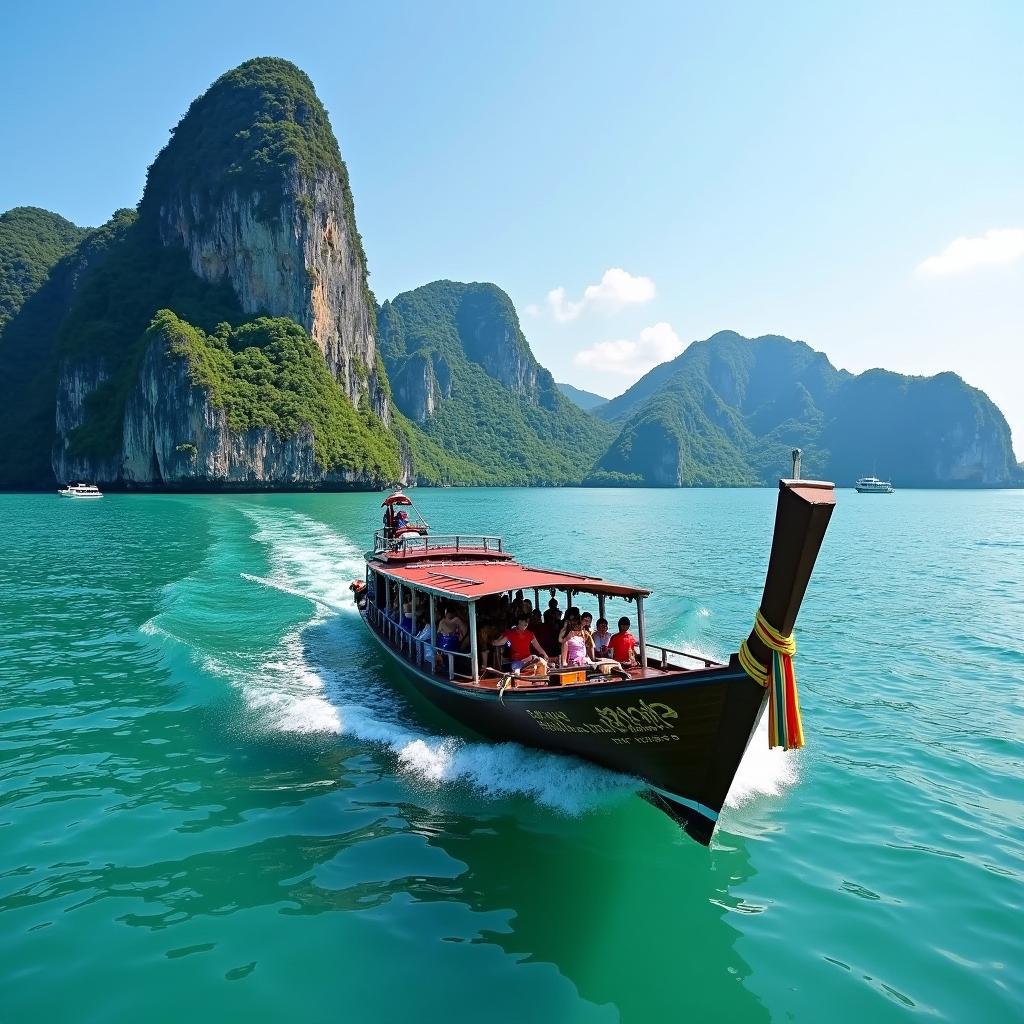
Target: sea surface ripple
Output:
{"points": [[218, 799]]}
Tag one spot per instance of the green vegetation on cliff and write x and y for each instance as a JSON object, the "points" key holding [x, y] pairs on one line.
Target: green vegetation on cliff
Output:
{"points": [[31, 242], [729, 410], [29, 353], [257, 129], [269, 373], [106, 324], [586, 400], [431, 464], [461, 367]]}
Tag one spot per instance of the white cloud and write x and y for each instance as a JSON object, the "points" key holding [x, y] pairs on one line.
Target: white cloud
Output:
{"points": [[532, 310], [656, 344], [998, 246], [617, 288]]}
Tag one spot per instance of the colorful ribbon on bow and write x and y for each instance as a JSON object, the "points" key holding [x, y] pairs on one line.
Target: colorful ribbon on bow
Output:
{"points": [[784, 726]]}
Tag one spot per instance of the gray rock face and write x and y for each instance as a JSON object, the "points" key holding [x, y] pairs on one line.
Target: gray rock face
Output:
{"points": [[174, 437], [430, 334], [75, 382], [972, 455], [303, 266], [420, 383], [493, 342]]}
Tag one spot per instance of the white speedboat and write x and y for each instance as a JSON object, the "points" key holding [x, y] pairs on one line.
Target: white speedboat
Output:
{"points": [[81, 491], [872, 485]]}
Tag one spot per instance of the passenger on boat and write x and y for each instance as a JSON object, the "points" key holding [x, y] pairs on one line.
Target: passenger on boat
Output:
{"points": [[553, 616], [624, 647], [406, 621], [451, 631], [487, 631], [578, 646], [523, 649], [601, 638], [426, 644], [572, 621]]}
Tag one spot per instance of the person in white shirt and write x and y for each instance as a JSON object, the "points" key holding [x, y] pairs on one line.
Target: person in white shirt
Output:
{"points": [[426, 641], [601, 639]]}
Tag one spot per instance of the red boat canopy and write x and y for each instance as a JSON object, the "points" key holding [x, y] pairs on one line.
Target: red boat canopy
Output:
{"points": [[396, 499], [471, 580]]}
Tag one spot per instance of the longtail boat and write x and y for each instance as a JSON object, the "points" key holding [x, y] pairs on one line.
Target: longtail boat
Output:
{"points": [[679, 721]]}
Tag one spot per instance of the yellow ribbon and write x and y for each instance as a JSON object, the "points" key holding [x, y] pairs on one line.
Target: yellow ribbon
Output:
{"points": [[785, 728]]}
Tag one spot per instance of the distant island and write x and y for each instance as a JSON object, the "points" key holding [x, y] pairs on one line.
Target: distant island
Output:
{"points": [[586, 400], [223, 335]]}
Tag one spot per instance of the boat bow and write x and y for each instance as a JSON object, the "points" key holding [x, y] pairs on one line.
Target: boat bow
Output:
{"points": [[801, 518]]}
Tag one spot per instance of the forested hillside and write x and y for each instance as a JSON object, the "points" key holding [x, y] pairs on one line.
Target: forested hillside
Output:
{"points": [[461, 368], [730, 409], [31, 242]]}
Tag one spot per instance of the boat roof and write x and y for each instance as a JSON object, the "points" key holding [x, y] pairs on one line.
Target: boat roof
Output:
{"points": [[469, 580]]}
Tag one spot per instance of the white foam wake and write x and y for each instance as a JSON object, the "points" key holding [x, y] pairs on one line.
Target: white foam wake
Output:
{"points": [[762, 772]]}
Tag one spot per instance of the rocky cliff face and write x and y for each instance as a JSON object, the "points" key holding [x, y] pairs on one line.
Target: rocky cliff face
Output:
{"points": [[247, 212], [301, 263], [420, 383], [490, 336], [174, 436], [76, 381]]}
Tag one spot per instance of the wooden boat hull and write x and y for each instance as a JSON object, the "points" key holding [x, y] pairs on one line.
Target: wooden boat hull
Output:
{"points": [[684, 735]]}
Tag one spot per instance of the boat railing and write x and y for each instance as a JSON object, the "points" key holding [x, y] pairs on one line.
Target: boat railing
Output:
{"points": [[406, 643], [415, 544], [663, 657]]}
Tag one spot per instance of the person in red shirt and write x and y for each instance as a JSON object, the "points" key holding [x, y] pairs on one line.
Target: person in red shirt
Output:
{"points": [[623, 645], [524, 651]]}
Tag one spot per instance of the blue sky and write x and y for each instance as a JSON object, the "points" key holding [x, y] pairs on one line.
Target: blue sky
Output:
{"points": [[848, 174]]}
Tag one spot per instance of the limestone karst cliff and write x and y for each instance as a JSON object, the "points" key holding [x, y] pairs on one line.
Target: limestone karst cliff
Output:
{"points": [[187, 422], [253, 187], [247, 212]]}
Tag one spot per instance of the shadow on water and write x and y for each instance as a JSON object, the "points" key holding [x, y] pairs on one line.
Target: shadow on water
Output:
{"points": [[621, 905]]}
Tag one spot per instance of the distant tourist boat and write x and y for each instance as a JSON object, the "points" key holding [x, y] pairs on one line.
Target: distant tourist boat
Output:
{"points": [[678, 720], [81, 491], [872, 485]]}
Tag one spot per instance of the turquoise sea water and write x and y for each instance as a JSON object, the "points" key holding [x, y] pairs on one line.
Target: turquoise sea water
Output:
{"points": [[216, 800]]}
